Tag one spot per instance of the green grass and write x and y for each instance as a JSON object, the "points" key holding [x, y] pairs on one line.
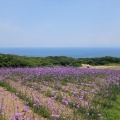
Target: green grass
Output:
{"points": [[113, 64], [1, 117], [114, 112]]}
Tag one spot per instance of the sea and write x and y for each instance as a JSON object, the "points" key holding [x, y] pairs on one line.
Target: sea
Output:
{"points": [[69, 52]]}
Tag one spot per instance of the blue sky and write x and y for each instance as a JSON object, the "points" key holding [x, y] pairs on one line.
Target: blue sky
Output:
{"points": [[59, 23]]}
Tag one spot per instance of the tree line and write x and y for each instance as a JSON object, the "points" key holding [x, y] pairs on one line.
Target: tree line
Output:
{"points": [[101, 60], [7, 60]]}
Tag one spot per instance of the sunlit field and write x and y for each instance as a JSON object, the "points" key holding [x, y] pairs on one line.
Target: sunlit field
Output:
{"points": [[59, 93]]}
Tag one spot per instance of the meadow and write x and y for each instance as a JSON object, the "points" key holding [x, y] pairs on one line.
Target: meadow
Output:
{"points": [[59, 93]]}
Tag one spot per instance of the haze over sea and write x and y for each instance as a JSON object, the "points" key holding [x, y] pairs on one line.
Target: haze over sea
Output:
{"points": [[69, 52]]}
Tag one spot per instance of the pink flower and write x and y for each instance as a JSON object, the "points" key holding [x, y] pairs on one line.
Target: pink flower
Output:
{"points": [[55, 116], [36, 100], [34, 105], [40, 104], [80, 98], [12, 119], [99, 115], [25, 109], [18, 106], [86, 103], [78, 106]]}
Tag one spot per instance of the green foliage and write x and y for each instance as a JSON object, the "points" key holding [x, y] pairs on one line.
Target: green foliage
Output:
{"points": [[2, 117], [23, 61], [101, 61], [48, 94], [59, 97], [114, 112]]}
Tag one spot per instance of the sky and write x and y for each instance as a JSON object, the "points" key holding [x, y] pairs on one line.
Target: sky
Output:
{"points": [[59, 23]]}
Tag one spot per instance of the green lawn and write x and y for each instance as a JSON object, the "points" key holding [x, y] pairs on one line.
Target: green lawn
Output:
{"points": [[114, 112]]}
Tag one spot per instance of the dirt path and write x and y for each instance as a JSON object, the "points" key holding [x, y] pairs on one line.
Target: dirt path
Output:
{"points": [[13, 107], [101, 67]]}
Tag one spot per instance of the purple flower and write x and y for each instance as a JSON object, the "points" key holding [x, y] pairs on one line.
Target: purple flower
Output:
{"points": [[34, 105]]}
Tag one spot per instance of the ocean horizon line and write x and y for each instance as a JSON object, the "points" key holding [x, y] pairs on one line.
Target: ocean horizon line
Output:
{"points": [[69, 52]]}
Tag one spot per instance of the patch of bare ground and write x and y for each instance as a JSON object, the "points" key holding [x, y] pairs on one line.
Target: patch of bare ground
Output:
{"points": [[50, 103], [13, 107], [101, 67]]}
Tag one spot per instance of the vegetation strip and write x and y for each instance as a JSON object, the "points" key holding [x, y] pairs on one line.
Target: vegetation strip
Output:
{"points": [[114, 112], [23, 61]]}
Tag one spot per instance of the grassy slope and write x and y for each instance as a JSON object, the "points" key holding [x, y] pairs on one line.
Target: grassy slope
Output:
{"points": [[114, 112]]}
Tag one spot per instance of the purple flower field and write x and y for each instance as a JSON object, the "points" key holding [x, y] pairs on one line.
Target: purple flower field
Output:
{"points": [[60, 93]]}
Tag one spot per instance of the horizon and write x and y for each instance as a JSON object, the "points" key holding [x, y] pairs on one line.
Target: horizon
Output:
{"points": [[73, 52], [107, 47]]}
